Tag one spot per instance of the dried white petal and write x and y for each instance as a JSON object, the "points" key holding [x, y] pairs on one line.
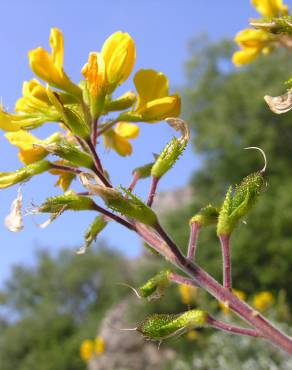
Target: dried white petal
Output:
{"points": [[179, 125], [280, 104], [14, 221]]}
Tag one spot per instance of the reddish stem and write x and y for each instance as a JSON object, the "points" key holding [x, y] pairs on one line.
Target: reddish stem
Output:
{"points": [[225, 247], [65, 168], [134, 181], [98, 166], [176, 278], [208, 283], [114, 217], [231, 328], [94, 132], [194, 233], [154, 183]]}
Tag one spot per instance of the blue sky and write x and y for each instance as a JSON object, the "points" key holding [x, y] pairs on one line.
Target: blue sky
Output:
{"points": [[162, 30]]}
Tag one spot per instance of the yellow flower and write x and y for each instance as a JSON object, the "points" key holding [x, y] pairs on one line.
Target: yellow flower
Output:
{"points": [[263, 300], [187, 293], [34, 98], [253, 42], [154, 103], [119, 54], [270, 8], [25, 142], [94, 73], [99, 345], [49, 67], [86, 349], [118, 137], [239, 294]]}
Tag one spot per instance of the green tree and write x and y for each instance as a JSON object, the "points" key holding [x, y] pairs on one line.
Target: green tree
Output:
{"points": [[227, 112], [51, 308]]}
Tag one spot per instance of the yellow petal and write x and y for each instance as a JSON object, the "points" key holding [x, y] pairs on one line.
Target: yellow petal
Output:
{"points": [[270, 8], [245, 56], [127, 130], [25, 142], [94, 73], [150, 85], [9, 122], [119, 54], [49, 67], [57, 45], [122, 146], [112, 140], [65, 180], [250, 38], [159, 109]]}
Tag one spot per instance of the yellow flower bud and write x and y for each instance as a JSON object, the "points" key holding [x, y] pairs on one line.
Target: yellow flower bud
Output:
{"points": [[270, 8], [49, 67], [119, 54], [94, 73]]}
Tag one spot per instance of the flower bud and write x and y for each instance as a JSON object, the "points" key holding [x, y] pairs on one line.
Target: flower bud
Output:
{"points": [[119, 54], [123, 102], [206, 216]]}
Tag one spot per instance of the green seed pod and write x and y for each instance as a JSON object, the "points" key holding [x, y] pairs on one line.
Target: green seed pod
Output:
{"points": [[67, 201], [23, 174], [71, 153], [237, 203], [123, 102], [206, 216], [91, 233], [173, 149], [154, 288], [163, 326], [168, 157]]}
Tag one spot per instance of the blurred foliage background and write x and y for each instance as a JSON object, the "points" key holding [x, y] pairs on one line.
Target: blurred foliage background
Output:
{"points": [[48, 310]]}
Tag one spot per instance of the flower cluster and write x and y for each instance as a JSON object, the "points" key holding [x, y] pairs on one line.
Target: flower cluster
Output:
{"points": [[253, 42], [90, 348], [82, 109]]}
